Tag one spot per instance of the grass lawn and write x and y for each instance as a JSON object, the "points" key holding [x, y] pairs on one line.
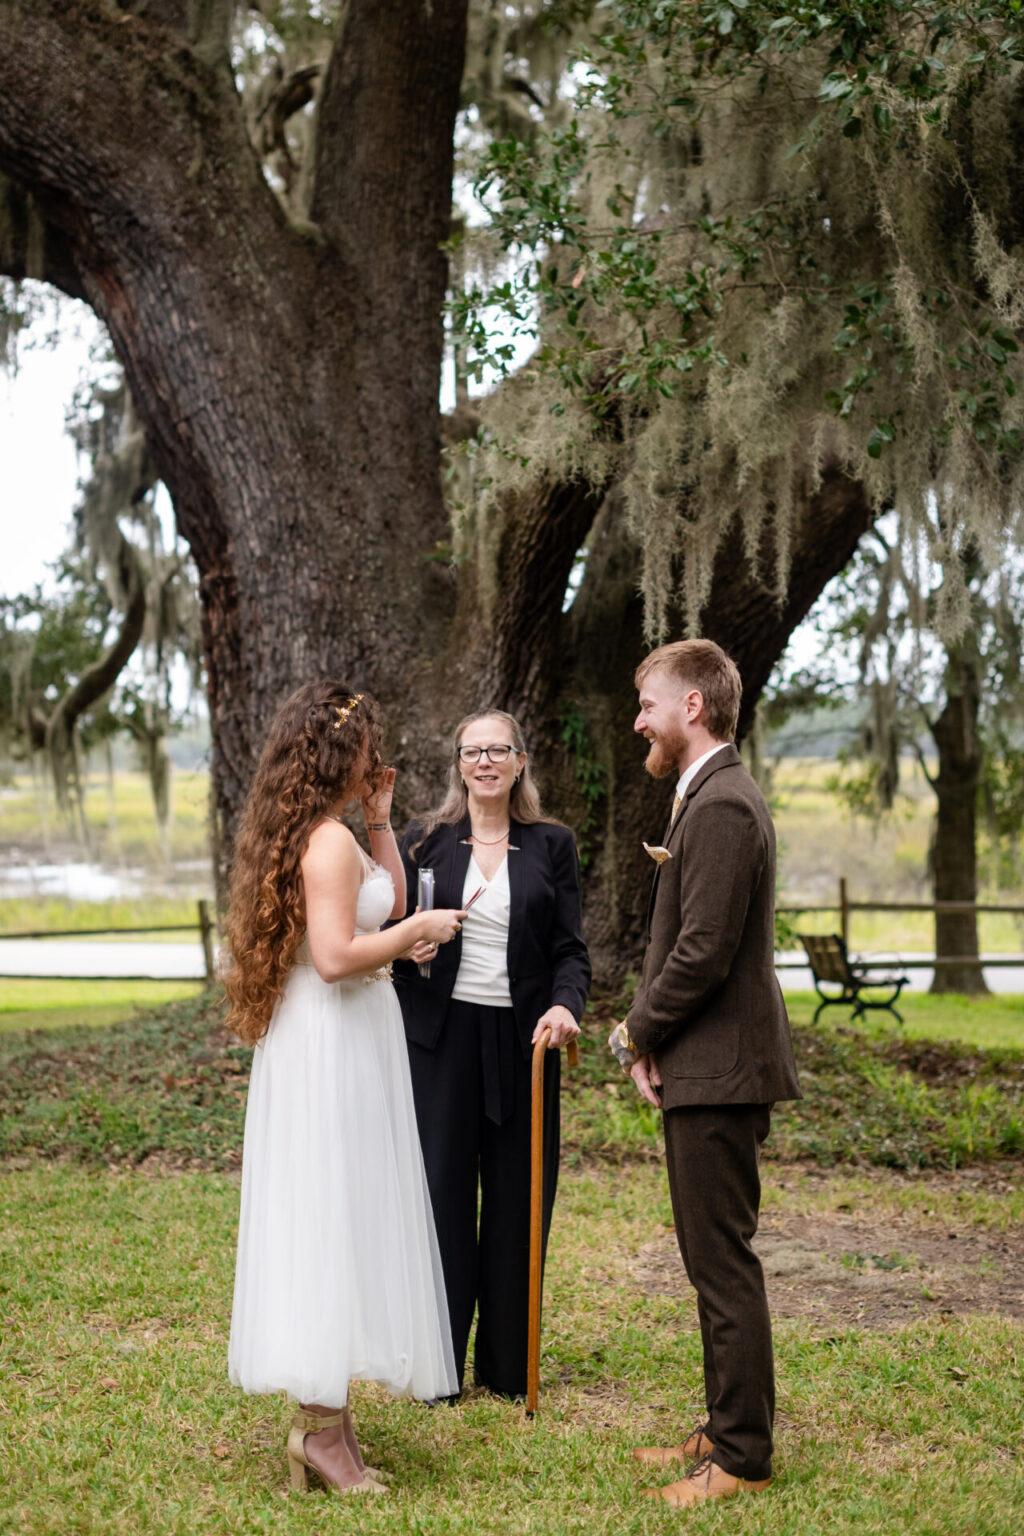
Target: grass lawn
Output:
{"points": [[167, 1089], [57, 914], [891, 1236], [989, 1023], [119, 1417], [122, 829], [28, 1004]]}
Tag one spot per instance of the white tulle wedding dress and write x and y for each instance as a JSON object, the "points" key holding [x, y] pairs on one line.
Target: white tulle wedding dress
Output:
{"points": [[338, 1275]]}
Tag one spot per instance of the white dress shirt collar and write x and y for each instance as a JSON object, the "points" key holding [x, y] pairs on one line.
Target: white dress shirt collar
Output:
{"points": [[687, 778]]}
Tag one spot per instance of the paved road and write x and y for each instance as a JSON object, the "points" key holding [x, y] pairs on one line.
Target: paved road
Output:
{"points": [[100, 957], [174, 961]]}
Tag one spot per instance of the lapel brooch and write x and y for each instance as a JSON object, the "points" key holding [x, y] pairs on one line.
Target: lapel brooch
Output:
{"points": [[658, 854]]}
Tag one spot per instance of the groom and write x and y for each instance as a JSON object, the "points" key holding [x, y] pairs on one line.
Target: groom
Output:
{"points": [[707, 1039]]}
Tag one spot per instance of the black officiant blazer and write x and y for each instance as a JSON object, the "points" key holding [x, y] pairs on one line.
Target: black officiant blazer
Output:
{"points": [[548, 962]]}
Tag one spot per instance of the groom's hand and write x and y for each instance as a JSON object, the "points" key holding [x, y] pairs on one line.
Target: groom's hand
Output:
{"points": [[645, 1074]]}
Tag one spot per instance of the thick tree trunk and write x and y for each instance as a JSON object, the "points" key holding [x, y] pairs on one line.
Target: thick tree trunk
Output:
{"points": [[286, 377], [953, 852], [570, 676]]}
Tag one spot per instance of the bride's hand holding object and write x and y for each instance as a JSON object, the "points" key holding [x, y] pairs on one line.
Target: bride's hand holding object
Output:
{"points": [[424, 949], [439, 925], [420, 952]]}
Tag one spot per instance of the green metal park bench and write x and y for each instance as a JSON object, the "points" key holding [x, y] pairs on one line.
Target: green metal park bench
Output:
{"points": [[831, 966]]}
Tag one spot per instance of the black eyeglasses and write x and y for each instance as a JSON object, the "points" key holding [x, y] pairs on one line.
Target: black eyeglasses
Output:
{"points": [[497, 754]]}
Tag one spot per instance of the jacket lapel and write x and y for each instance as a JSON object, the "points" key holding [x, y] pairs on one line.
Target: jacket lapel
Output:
{"points": [[459, 854], [518, 855], [728, 757]]}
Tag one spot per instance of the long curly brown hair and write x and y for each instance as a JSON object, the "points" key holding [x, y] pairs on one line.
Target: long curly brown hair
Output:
{"points": [[320, 742]]}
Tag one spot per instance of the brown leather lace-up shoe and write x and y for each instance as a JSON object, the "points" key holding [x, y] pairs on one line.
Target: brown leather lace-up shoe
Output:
{"points": [[695, 1445], [706, 1481]]}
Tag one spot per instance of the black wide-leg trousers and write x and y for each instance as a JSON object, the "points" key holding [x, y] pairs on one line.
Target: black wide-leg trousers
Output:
{"points": [[712, 1155], [472, 1096]]}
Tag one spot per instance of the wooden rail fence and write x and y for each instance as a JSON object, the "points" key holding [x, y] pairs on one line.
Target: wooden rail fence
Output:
{"points": [[204, 925], [845, 907]]}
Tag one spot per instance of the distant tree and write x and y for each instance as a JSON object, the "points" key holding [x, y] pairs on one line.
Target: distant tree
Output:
{"points": [[965, 694], [121, 601], [54, 651]]}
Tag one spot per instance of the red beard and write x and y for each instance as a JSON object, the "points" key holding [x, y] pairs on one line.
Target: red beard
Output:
{"points": [[663, 758]]}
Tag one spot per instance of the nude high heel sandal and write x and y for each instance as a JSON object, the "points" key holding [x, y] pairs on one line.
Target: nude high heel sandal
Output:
{"points": [[299, 1466]]}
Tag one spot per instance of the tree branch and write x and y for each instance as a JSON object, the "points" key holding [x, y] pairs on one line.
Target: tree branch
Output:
{"points": [[389, 97], [289, 96], [31, 247], [542, 532], [96, 680], [921, 760], [745, 614]]}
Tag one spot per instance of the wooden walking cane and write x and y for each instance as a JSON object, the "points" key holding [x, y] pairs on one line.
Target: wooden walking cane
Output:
{"points": [[572, 1056]]}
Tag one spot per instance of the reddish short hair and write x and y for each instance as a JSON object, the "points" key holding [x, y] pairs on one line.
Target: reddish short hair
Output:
{"points": [[703, 665]]}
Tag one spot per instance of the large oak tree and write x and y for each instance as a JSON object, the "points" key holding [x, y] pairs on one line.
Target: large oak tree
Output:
{"points": [[280, 326]]}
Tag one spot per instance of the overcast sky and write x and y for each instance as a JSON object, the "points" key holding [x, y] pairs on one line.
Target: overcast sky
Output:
{"points": [[38, 462]]}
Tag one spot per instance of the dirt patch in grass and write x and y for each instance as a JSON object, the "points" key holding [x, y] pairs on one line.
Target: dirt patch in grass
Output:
{"points": [[946, 1062], [848, 1267]]}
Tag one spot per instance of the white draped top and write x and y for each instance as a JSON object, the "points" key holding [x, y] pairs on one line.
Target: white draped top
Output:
{"points": [[483, 969]]}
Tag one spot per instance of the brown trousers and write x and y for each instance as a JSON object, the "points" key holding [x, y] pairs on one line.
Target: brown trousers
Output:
{"points": [[712, 1156]]}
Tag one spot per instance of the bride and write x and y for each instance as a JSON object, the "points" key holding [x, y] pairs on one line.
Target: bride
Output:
{"points": [[338, 1276]]}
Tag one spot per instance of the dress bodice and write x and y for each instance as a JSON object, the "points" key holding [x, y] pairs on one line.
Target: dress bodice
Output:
{"points": [[373, 907], [376, 899]]}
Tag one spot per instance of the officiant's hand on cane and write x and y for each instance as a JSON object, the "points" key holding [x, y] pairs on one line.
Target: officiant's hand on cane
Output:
{"points": [[561, 1025]]}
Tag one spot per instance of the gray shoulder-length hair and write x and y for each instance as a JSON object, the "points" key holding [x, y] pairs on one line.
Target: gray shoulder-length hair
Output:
{"points": [[524, 803]]}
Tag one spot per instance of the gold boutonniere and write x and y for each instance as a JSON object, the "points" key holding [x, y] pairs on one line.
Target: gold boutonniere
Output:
{"points": [[658, 854]]}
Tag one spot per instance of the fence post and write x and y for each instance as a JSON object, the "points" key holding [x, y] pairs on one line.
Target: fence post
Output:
{"points": [[844, 911], [206, 935]]}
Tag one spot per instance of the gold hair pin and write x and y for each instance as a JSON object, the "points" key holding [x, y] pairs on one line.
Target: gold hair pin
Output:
{"points": [[343, 713]]}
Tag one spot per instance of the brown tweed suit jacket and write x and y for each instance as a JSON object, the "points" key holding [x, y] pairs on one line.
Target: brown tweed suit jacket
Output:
{"points": [[709, 1006]]}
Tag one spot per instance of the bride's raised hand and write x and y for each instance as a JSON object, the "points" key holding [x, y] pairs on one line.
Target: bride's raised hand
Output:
{"points": [[377, 805]]}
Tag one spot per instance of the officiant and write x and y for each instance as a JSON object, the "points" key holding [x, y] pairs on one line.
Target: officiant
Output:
{"points": [[518, 966]]}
